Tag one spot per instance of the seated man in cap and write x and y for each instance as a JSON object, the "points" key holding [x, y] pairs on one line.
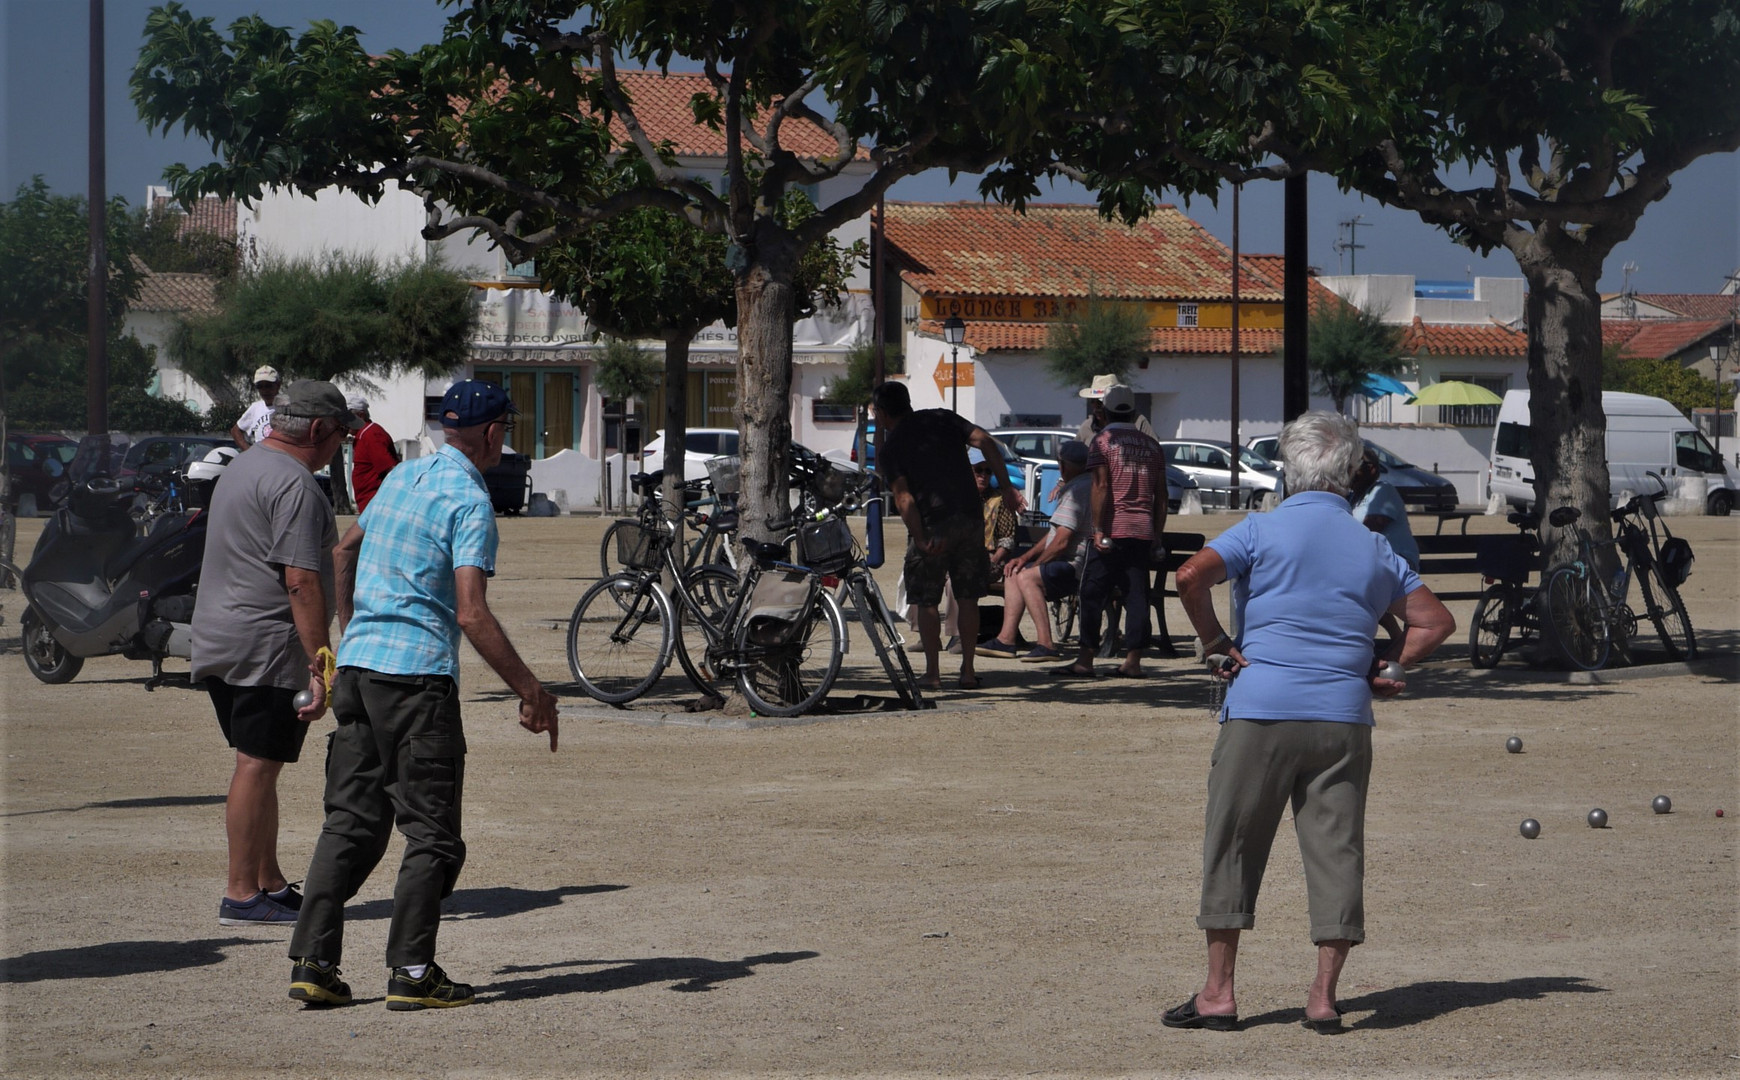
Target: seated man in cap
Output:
{"points": [[1049, 571], [372, 456], [256, 422]]}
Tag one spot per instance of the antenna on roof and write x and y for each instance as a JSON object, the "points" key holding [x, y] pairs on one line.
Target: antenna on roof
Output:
{"points": [[1351, 246], [1628, 293]]}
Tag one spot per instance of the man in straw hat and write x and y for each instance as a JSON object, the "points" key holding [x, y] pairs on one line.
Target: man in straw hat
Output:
{"points": [[1097, 418]]}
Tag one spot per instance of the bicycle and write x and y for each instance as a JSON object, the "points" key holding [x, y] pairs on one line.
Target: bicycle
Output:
{"points": [[775, 629], [1587, 617], [710, 533], [1508, 604]]}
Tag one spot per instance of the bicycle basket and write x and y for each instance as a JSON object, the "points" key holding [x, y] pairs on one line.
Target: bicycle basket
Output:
{"points": [[777, 607], [826, 546], [1676, 561], [724, 473], [637, 547], [1504, 558]]}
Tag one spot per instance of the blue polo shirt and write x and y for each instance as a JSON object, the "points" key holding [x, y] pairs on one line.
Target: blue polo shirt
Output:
{"points": [[1309, 583], [430, 516]]}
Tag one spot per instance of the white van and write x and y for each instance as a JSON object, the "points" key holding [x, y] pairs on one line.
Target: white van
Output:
{"points": [[1644, 435]]}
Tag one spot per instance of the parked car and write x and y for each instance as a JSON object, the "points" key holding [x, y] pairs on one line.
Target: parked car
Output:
{"points": [[1020, 467], [699, 444], [1040, 445], [37, 463], [1209, 463], [152, 457], [1418, 487]]}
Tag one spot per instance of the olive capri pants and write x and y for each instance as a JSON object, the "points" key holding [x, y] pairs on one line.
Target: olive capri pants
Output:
{"points": [[1258, 766]]}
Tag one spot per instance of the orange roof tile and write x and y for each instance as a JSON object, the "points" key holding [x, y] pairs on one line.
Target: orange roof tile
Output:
{"points": [[1693, 305], [184, 294], [1658, 339], [990, 337], [211, 214], [976, 248], [1619, 331], [1459, 339]]}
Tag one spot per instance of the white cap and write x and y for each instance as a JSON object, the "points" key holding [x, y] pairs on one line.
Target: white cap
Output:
{"points": [[1120, 399], [265, 373], [357, 403]]}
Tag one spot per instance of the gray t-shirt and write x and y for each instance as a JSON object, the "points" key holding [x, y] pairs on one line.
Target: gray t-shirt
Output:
{"points": [[1074, 508], [267, 513]]}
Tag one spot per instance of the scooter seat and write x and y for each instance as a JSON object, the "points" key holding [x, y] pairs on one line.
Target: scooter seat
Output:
{"points": [[129, 552]]}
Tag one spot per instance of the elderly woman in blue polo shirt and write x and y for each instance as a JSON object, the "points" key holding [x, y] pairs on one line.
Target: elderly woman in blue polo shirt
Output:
{"points": [[1310, 584]]}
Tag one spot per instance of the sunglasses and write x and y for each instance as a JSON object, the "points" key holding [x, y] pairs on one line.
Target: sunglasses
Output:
{"points": [[982, 470]]}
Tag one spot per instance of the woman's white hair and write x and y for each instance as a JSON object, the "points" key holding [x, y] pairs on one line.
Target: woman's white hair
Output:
{"points": [[1322, 450]]}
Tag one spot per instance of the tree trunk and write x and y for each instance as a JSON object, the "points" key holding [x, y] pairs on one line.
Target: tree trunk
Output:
{"points": [[765, 304], [1568, 427], [676, 429]]}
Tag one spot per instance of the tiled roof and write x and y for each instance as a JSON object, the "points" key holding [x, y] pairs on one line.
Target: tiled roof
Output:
{"points": [[983, 249], [209, 215], [1271, 269], [1458, 339], [184, 294], [1692, 305], [1658, 339], [661, 104], [990, 337]]}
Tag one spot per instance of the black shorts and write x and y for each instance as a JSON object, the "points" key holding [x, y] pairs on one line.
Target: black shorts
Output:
{"points": [[1058, 579], [963, 562], [259, 721]]}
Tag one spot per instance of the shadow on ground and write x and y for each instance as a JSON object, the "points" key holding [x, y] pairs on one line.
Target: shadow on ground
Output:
{"points": [[153, 802], [1416, 1003], [687, 974], [494, 903], [114, 958]]}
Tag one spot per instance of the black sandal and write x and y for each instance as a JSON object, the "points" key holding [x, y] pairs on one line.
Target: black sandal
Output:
{"points": [[1186, 1016]]}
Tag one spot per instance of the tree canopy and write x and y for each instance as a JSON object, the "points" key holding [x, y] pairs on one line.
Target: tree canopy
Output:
{"points": [[1348, 343]]}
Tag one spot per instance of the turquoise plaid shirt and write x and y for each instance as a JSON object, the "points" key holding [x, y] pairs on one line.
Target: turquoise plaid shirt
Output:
{"points": [[431, 515]]}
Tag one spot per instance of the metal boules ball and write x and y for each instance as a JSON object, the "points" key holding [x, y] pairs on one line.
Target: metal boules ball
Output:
{"points": [[303, 700], [1661, 804], [1530, 828], [1513, 744], [1597, 818]]}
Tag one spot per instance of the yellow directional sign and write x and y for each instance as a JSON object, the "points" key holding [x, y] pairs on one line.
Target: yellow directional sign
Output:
{"points": [[945, 374]]}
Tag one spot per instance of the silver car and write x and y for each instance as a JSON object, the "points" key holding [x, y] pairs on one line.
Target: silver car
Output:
{"points": [[1039, 445]]}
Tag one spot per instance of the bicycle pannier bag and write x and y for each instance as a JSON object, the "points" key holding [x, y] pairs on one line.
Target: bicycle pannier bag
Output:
{"points": [[826, 545], [1676, 561], [777, 607]]}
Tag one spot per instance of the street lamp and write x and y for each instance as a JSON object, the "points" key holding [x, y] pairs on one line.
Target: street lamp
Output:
{"points": [[954, 330], [1716, 363]]}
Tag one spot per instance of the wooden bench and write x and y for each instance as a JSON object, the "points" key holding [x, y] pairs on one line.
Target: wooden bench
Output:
{"points": [[1459, 556], [1179, 548]]}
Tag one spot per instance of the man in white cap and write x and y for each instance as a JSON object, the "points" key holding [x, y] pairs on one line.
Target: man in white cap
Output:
{"points": [[372, 455], [1097, 418], [256, 423]]}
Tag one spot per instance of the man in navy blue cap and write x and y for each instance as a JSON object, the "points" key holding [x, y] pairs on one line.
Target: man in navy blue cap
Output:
{"points": [[411, 578]]}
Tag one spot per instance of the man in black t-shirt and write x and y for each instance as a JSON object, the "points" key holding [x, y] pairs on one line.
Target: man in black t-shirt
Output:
{"points": [[923, 459]]}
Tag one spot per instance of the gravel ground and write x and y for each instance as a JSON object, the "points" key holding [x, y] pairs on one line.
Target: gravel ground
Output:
{"points": [[1002, 886]]}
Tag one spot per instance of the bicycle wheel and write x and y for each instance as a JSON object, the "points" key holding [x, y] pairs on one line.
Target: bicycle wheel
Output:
{"points": [[879, 628], [790, 678], [1575, 618], [1489, 635], [1668, 612], [713, 589], [619, 639]]}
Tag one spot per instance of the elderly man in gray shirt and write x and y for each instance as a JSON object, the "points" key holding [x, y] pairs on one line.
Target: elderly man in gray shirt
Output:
{"points": [[260, 627]]}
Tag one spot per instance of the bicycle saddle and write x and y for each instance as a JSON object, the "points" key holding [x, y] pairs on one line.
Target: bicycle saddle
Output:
{"points": [[646, 483], [1521, 520], [767, 552], [1564, 516]]}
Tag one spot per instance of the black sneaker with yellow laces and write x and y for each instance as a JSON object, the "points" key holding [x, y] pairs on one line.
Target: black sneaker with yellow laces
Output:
{"points": [[312, 984], [433, 991]]}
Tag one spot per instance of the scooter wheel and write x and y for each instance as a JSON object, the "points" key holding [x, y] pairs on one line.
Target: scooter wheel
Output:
{"points": [[44, 656]]}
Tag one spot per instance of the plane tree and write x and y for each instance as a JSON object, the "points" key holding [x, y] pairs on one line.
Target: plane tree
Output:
{"points": [[1542, 127], [506, 127]]}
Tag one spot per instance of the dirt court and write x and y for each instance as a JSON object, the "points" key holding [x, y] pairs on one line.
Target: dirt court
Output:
{"points": [[1003, 886]]}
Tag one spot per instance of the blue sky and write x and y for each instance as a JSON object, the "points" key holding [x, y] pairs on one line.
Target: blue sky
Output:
{"points": [[1687, 242]]}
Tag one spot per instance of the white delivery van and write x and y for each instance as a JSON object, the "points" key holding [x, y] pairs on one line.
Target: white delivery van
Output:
{"points": [[1644, 435]]}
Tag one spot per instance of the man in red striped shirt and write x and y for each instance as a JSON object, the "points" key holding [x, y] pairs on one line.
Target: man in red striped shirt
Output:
{"points": [[1129, 518]]}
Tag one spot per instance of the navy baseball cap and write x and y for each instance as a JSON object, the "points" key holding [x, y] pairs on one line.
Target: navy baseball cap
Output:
{"points": [[472, 402]]}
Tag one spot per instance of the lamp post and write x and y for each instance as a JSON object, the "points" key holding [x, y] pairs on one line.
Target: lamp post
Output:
{"points": [[954, 330], [1716, 429]]}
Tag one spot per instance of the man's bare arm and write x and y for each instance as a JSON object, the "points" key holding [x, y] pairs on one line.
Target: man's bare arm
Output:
{"points": [[308, 612], [481, 628], [344, 572]]}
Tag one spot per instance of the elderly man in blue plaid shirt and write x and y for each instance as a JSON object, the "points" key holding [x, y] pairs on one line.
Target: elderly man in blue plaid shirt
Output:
{"points": [[411, 578]]}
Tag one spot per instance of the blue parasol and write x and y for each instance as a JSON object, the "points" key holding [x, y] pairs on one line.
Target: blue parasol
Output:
{"points": [[1375, 385]]}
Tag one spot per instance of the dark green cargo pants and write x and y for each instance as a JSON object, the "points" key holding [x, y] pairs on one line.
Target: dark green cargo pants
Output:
{"points": [[397, 756]]}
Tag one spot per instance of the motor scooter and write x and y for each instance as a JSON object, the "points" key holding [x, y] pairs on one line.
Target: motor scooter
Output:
{"points": [[115, 570]]}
